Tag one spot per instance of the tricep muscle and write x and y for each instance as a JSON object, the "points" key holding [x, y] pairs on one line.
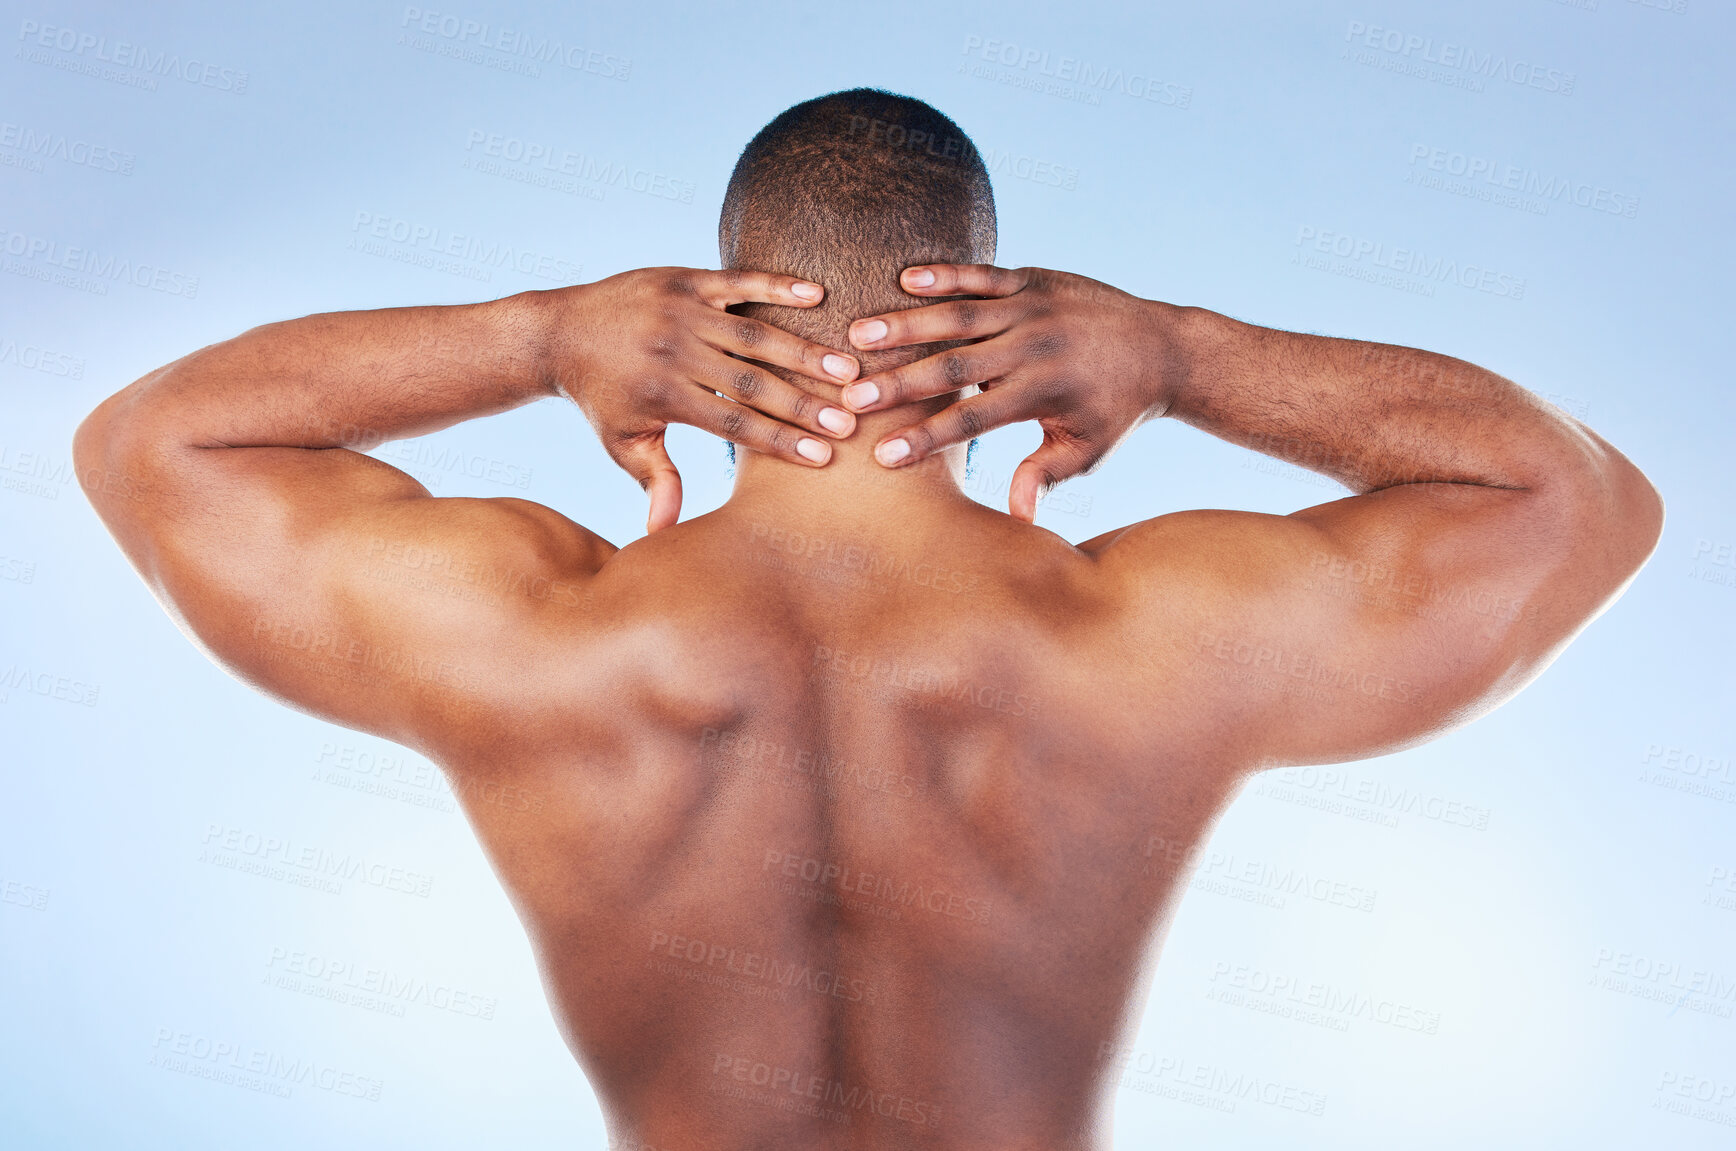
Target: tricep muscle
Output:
{"points": [[336, 583], [1362, 626]]}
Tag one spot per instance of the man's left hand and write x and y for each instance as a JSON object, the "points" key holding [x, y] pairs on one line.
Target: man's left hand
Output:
{"points": [[1087, 361]]}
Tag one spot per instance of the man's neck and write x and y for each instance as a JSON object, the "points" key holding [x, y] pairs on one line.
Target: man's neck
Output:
{"points": [[853, 484]]}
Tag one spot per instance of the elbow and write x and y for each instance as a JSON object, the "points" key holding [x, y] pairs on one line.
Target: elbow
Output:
{"points": [[1633, 515], [1607, 505], [109, 452], [1617, 518], [91, 445]]}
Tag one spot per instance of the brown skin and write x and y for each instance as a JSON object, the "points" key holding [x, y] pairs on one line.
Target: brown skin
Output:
{"points": [[851, 784]]}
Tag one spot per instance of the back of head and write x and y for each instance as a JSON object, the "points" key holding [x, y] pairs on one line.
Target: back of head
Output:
{"points": [[848, 190]]}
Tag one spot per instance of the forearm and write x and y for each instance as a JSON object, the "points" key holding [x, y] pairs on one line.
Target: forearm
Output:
{"points": [[342, 379], [1369, 415]]}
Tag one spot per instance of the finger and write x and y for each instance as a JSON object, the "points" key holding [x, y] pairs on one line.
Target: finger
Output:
{"points": [[772, 345], [934, 375], [1053, 462], [963, 421], [646, 459], [758, 389], [963, 280], [740, 286], [954, 320], [742, 425]]}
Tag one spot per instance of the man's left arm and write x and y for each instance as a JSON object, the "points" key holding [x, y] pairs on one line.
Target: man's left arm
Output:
{"points": [[234, 481]]}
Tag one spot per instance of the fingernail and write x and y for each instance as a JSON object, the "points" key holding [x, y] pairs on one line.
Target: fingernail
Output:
{"points": [[812, 450], [841, 366], [919, 277], [891, 451], [861, 395], [805, 291], [834, 420], [869, 331]]}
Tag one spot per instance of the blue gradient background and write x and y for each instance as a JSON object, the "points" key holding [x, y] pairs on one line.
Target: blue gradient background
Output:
{"points": [[1588, 849]]}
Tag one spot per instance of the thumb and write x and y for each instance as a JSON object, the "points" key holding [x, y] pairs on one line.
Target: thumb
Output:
{"points": [[665, 492], [1054, 461], [647, 461]]}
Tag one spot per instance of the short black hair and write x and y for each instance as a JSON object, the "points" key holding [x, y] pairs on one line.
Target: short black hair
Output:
{"points": [[848, 190]]}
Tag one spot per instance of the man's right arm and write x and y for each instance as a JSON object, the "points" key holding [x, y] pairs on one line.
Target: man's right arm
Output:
{"points": [[1486, 529]]}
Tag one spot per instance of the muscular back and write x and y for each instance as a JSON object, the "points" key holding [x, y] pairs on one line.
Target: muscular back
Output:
{"points": [[843, 851]]}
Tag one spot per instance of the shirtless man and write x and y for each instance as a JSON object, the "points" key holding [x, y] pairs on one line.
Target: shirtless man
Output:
{"points": [[843, 789]]}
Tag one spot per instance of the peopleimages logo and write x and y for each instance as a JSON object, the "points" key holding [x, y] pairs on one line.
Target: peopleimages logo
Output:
{"points": [[1697, 989], [1371, 259], [329, 978], [21, 677], [1532, 190], [80, 49], [554, 161], [1339, 1005], [86, 269], [791, 1090], [254, 1068], [1072, 71], [524, 49], [1206, 1078], [39, 359], [1460, 66], [414, 242], [240, 849], [37, 146]]}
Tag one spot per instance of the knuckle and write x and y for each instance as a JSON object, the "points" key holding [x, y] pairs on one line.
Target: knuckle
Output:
{"points": [[1050, 392], [802, 404], [1081, 454], [748, 333], [895, 386], [970, 421], [629, 442], [779, 438], [1045, 345], [747, 384], [732, 423], [967, 317], [662, 337], [955, 369]]}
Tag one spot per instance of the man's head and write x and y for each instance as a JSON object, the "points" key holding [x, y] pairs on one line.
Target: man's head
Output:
{"points": [[848, 190]]}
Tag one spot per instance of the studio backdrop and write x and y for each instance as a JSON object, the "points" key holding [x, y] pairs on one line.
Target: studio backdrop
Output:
{"points": [[226, 925]]}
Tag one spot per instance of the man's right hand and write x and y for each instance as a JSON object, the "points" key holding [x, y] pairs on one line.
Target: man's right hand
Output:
{"points": [[649, 348]]}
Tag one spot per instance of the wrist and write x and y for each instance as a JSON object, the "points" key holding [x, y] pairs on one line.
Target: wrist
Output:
{"points": [[1188, 341], [554, 321]]}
